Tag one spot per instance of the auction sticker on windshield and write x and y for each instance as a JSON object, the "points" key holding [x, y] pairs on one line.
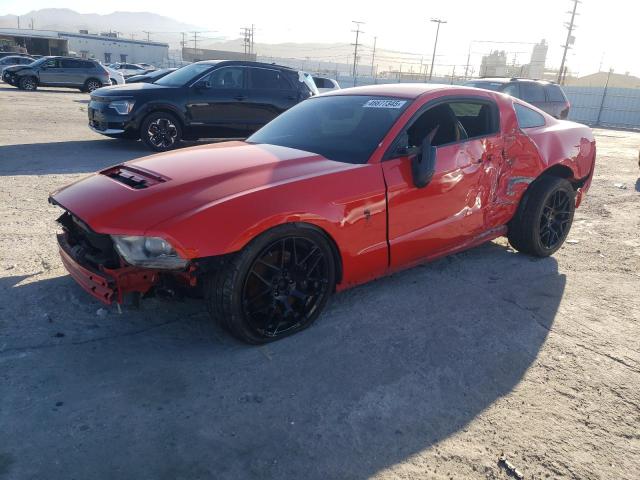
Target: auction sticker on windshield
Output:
{"points": [[384, 104]]}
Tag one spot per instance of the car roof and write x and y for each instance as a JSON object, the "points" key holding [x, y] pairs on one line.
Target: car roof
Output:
{"points": [[401, 90], [511, 79], [247, 63]]}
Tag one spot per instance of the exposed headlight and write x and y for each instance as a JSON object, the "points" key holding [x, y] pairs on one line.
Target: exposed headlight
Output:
{"points": [[148, 252], [123, 107]]}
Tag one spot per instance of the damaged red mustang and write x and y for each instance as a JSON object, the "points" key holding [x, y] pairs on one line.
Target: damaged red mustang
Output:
{"points": [[340, 189]]}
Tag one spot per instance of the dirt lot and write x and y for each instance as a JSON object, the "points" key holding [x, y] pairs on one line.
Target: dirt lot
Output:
{"points": [[431, 373]]}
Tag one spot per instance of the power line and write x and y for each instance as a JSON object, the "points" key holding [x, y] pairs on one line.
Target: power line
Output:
{"points": [[570, 40], [355, 50]]}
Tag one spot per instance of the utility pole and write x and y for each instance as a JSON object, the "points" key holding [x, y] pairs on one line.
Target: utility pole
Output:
{"points": [[148, 33], [355, 50], [466, 69], [570, 40], [195, 40], [373, 55], [253, 31], [435, 44]]}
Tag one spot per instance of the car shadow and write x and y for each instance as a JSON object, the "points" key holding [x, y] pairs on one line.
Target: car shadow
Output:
{"points": [[40, 90], [390, 369], [81, 156]]}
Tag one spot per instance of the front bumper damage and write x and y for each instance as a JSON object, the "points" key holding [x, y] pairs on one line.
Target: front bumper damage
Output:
{"points": [[106, 284]]}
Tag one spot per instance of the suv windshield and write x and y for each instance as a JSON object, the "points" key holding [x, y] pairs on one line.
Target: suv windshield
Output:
{"points": [[341, 128], [184, 75]]}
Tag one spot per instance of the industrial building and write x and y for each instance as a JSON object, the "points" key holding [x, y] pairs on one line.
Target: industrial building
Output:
{"points": [[105, 47]]}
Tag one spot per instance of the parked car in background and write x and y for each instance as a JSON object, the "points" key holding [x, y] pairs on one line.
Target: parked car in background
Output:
{"points": [[148, 66], [16, 54], [325, 84], [10, 61], [129, 69], [342, 188], [115, 76], [220, 99], [151, 77], [547, 96], [86, 75]]}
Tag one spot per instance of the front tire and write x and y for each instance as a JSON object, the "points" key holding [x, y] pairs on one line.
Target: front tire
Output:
{"points": [[28, 83], [161, 131], [274, 287], [544, 217]]}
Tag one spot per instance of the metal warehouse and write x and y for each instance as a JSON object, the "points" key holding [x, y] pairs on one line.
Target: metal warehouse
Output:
{"points": [[106, 47]]}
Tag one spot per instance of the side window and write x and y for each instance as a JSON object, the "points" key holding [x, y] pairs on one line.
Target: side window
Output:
{"points": [[479, 119], [52, 63], [25, 61], [512, 90], [320, 82], [531, 92], [226, 77], [528, 118], [66, 63], [554, 94], [440, 117], [267, 79]]}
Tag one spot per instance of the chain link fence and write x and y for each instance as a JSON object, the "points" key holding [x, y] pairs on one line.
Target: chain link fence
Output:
{"points": [[594, 106]]}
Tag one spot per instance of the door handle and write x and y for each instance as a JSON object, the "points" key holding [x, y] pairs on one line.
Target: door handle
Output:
{"points": [[240, 97]]}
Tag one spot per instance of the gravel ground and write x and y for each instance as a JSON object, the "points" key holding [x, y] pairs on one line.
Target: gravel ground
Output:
{"points": [[430, 373]]}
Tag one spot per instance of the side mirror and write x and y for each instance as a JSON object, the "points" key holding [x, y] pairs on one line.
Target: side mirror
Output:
{"points": [[423, 165]]}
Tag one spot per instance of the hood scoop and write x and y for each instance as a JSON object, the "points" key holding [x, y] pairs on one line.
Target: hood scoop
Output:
{"points": [[133, 177]]}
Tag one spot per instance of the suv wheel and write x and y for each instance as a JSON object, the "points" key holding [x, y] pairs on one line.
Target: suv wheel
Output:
{"points": [[28, 83], [91, 85], [161, 131]]}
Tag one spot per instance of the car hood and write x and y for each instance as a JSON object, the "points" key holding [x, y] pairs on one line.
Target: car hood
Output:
{"points": [[15, 68], [131, 89], [133, 197]]}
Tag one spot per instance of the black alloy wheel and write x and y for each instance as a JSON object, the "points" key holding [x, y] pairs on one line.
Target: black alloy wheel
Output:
{"points": [[28, 83], [161, 131], [274, 287], [284, 286], [556, 219], [92, 85]]}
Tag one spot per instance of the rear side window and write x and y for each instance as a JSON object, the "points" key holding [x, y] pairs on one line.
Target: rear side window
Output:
{"points": [[25, 61], [512, 90], [66, 63], [267, 79], [321, 82], [528, 118], [554, 94], [531, 92]]}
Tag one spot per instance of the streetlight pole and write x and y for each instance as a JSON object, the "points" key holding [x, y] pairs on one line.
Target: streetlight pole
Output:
{"points": [[435, 44]]}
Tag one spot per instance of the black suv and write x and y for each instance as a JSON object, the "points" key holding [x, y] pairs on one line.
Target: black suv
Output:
{"points": [[547, 96], [210, 99], [86, 75]]}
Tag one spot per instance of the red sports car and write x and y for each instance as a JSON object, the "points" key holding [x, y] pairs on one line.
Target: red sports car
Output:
{"points": [[340, 189]]}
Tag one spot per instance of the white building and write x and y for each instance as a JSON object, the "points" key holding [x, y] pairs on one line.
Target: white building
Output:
{"points": [[107, 47]]}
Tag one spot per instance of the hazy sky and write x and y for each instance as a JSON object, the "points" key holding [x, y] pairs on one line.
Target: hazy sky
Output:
{"points": [[607, 30]]}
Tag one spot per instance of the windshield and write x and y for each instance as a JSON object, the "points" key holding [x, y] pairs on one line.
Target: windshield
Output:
{"points": [[344, 128], [495, 86], [184, 75], [39, 61]]}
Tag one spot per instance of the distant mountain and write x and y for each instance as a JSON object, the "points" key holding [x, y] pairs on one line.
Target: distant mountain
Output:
{"points": [[127, 23]]}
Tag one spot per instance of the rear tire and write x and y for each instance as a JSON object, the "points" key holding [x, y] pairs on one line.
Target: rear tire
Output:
{"points": [[92, 84], [276, 286], [161, 131], [29, 84], [544, 217]]}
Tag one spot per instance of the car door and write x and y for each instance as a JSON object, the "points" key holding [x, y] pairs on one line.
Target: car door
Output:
{"points": [[270, 93], [217, 102], [50, 72], [449, 212], [71, 72]]}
